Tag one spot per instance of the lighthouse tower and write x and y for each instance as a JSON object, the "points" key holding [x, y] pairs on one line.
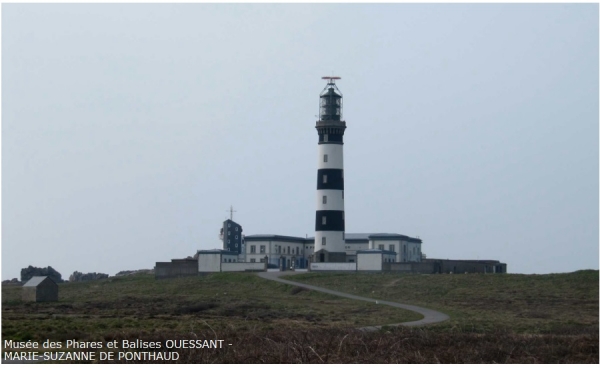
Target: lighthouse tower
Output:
{"points": [[330, 222]]}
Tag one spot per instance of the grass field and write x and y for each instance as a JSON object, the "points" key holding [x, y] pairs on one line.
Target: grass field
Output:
{"points": [[553, 303], [90, 310], [494, 318]]}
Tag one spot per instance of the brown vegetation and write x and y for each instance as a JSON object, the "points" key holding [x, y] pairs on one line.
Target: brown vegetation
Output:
{"points": [[402, 345]]}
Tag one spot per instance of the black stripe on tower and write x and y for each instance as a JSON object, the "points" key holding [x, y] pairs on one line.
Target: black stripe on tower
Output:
{"points": [[330, 179], [331, 139], [334, 221]]}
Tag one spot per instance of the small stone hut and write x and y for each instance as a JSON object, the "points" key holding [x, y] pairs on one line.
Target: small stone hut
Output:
{"points": [[40, 289]]}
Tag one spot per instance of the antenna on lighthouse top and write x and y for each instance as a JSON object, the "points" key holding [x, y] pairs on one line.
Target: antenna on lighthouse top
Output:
{"points": [[331, 79]]}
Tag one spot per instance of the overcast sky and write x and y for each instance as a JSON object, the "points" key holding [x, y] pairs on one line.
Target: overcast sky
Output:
{"points": [[129, 130]]}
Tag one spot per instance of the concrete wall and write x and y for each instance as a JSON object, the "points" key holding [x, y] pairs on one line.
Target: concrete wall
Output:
{"points": [[209, 262], [240, 267], [412, 267], [176, 268], [466, 266], [369, 261], [333, 266]]}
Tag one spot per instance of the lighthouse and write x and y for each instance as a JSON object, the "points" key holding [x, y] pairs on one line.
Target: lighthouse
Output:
{"points": [[330, 222]]}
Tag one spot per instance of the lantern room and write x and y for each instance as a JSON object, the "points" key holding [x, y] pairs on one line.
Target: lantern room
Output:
{"points": [[330, 105]]}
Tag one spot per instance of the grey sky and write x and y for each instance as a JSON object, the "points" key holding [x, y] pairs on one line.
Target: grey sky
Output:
{"points": [[129, 130]]}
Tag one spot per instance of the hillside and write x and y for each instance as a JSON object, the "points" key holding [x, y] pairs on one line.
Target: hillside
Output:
{"points": [[552, 303], [89, 310], [495, 318]]}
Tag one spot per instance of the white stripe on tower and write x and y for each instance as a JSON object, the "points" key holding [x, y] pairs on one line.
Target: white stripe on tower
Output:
{"points": [[329, 219]]}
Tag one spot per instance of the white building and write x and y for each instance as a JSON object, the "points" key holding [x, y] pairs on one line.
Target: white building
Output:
{"points": [[290, 249]]}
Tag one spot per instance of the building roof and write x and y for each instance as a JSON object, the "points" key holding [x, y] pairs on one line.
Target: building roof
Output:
{"points": [[216, 251], [36, 280], [267, 237], [376, 251], [349, 237]]}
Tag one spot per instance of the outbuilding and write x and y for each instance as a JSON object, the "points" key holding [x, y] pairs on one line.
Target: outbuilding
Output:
{"points": [[40, 289]]}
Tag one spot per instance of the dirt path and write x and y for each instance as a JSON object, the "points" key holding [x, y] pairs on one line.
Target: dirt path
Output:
{"points": [[429, 316]]}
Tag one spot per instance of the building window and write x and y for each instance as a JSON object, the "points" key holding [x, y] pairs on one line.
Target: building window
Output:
{"points": [[324, 199], [381, 246], [289, 251], [252, 260], [297, 250], [324, 241], [324, 179], [236, 228], [392, 248], [262, 248], [236, 236], [324, 220], [324, 158], [229, 233], [253, 249], [228, 225]]}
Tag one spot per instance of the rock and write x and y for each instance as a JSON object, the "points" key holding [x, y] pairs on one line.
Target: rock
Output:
{"points": [[14, 281], [78, 276], [29, 272], [127, 273]]}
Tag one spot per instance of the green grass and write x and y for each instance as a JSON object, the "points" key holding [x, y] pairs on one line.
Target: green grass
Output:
{"points": [[552, 303], [235, 301]]}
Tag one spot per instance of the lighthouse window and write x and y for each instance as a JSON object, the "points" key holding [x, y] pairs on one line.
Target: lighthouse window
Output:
{"points": [[323, 241], [324, 199], [324, 220], [325, 137], [324, 158], [324, 179]]}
